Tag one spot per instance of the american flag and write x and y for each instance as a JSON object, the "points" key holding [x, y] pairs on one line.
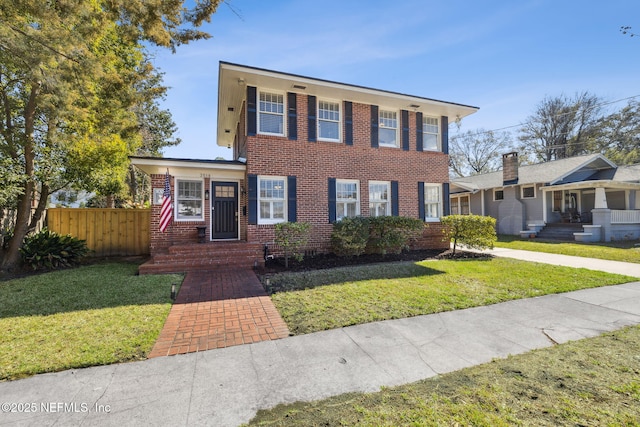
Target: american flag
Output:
{"points": [[166, 212]]}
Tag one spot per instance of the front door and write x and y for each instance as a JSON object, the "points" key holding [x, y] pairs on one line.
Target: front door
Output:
{"points": [[224, 210]]}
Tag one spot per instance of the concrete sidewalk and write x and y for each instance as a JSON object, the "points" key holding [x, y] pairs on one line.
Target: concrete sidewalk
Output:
{"points": [[226, 387], [617, 267]]}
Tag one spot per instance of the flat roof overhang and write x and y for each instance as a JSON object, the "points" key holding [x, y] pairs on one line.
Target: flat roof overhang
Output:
{"points": [[609, 184], [234, 78], [190, 168]]}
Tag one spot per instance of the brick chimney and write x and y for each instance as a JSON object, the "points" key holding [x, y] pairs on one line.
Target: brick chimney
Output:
{"points": [[510, 168]]}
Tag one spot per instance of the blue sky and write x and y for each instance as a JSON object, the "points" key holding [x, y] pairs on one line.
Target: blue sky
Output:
{"points": [[502, 56]]}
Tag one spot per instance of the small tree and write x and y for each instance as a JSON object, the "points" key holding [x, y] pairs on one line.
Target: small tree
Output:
{"points": [[350, 236], [292, 237], [393, 234], [474, 231]]}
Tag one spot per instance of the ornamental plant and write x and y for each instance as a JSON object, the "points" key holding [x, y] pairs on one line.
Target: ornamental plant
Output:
{"points": [[474, 231], [292, 237], [349, 236], [48, 249]]}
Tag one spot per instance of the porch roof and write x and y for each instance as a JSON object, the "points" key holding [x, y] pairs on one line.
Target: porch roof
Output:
{"points": [[601, 183], [190, 167]]}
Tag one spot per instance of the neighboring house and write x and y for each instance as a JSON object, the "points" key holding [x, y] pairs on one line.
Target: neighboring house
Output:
{"points": [[589, 190], [308, 150]]}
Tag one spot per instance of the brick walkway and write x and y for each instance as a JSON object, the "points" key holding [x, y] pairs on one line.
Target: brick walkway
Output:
{"points": [[216, 309]]}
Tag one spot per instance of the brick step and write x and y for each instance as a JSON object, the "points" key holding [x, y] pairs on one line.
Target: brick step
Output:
{"points": [[215, 248], [234, 258]]}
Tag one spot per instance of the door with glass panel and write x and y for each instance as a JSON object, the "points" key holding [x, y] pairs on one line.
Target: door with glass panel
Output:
{"points": [[224, 210]]}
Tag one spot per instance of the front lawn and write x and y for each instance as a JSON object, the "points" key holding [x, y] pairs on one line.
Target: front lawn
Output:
{"points": [[326, 299], [626, 250], [591, 382], [91, 315]]}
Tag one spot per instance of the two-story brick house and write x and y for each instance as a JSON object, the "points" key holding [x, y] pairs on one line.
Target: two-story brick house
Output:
{"points": [[308, 150]]}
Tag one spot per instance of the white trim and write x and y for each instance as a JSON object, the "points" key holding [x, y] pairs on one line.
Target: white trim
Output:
{"points": [[344, 201], [388, 201], [259, 112], [397, 119], [438, 137], [339, 121], [439, 202], [272, 220], [528, 186], [176, 202]]}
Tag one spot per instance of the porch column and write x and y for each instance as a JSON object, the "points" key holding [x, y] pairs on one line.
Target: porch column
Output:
{"points": [[601, 199], [544, 205], [602, 217]]}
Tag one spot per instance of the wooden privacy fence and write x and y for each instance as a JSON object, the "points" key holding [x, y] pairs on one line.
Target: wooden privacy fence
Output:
{"points": [[108, 232]]}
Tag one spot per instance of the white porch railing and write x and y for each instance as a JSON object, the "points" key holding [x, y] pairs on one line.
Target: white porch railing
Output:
{"points": [[625, 217]]}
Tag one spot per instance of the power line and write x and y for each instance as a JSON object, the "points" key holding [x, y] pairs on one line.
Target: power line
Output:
{"points": [[556, 115]]}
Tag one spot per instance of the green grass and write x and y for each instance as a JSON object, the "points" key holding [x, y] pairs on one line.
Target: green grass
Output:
{"points": [[591, 382], [625, 251], [91, 315], [327, 299]]}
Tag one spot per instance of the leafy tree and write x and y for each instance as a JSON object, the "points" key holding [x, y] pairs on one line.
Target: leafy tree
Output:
{"points": [[479, 151], [561, 127], [474, 231], [68, 78], [292, 237], [618, 135]]}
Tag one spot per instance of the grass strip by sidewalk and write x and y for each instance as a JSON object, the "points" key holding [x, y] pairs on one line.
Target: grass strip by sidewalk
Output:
{"points": [[91, 315], [590, 382], [334, 298], [625, 251]]}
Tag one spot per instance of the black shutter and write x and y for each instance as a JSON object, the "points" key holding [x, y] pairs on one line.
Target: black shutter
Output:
{"points": [[292, 199], [404, 116], [419, 132], [311, 101], [395, 206], [421, 212], [374, 126], [446, 205], [332, 200], [348, 122], [444, 122], [252, 191], [292, 116], [252, 112]]}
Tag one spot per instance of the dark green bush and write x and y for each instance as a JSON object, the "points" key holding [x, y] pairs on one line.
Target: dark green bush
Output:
{"points": [[349, 236], [383, 235], [474, 231], [48, 249]]}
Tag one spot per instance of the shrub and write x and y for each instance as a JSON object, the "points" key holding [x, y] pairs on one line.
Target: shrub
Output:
{"points": [[292, 237], [474, 231], [384, 234], [48, 249], [392, 234], [349, 236]]}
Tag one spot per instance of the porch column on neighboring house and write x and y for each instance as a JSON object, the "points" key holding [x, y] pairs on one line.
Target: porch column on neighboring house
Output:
{"points": [[481, 202], [544, 205], [601, 214]]}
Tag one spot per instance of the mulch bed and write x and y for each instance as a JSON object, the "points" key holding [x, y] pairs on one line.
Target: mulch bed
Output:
{"points": [[322, 261]]}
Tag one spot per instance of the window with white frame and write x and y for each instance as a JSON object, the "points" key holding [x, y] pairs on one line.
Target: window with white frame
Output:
{"points": [[460, 205], [329, 121], [430, 134], [347, 198], [388, 128], [498, 195], [189, 197], [379, 198], [271, 200], [529, 192], [432, 202], [271, 113]]}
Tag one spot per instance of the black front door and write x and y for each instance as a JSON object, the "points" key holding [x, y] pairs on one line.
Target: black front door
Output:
{"points": [[224, 210]]}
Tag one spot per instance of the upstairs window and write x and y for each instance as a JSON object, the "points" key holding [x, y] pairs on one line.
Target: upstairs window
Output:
{"points": [[328, 121], [379, 197], [388, 128], [430, 134], [271, 113], [189, 197], [271, 200], [347, 199]]}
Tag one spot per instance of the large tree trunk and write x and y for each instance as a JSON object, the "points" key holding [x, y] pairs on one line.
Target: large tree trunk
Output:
{"points": [[23, 218], [42, 205]]}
